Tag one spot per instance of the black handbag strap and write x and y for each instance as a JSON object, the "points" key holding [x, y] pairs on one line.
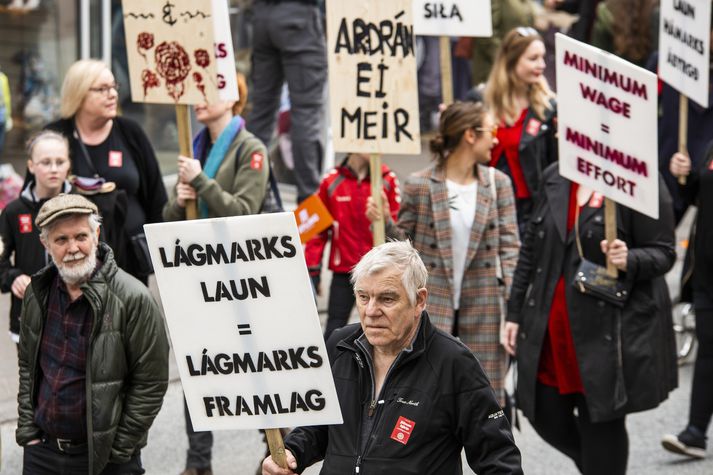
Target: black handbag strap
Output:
{"points": [[576, 229], [85, 152]]}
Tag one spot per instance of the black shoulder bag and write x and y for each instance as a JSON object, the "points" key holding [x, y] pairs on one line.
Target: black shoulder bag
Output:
{"points": [[592, 279]]}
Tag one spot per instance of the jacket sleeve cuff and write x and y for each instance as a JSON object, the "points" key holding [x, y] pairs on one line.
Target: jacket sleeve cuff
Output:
{"points": [[200, 182]]}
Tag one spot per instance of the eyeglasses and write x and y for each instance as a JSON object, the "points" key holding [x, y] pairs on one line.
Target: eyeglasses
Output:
{"points": [[48, 163], [105, 89], [493, 131]]}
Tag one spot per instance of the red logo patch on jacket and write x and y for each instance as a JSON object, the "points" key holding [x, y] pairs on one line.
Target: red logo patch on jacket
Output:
{"points": [[402, 430], [533, 126], [116, 159], [25, 223], [256, 161], [596, 200]]}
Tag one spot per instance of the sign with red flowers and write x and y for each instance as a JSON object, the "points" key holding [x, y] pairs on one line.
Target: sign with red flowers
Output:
{"points": [[171, 51]]}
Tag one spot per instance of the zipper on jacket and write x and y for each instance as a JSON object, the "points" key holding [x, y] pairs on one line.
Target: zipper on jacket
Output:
{"points": [[374, 403]]}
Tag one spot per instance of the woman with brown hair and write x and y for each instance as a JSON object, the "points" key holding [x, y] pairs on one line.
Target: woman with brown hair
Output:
{"points": [[460, 216], [525, 111], [627, 28]]}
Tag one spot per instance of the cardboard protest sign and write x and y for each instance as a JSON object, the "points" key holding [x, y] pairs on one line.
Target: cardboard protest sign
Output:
{"points": [[607, 125], [372, 76], [312, 218], [243, 322], [452, 18], [684, 47], [170, 50]]}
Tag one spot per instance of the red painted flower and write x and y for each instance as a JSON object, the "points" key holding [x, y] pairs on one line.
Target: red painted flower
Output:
{"points": [[202, 58], [172, 62], [149, 80], [144, 41], [197, 77]]}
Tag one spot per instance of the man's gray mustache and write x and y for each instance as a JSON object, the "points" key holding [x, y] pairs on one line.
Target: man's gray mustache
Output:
{"points": [[74, 257]]}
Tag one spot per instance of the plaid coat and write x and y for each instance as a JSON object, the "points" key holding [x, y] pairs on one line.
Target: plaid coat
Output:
{"points": [[424, 218]]}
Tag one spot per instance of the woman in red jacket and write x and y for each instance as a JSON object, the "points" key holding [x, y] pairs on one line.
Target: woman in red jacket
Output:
{"points": [[344, 192]]}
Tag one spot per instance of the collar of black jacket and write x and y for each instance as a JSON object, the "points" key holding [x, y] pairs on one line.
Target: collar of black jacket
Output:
{"points": [[353, 332]]}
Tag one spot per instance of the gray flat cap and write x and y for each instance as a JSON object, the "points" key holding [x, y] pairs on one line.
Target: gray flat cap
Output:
{"points": [[62, 205]]}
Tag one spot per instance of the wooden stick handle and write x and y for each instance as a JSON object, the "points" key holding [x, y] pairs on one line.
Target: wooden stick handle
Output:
{"points": [[446, 71], [610, 230], [377, 226], [682, 129], [185, 145], [277, 447]]}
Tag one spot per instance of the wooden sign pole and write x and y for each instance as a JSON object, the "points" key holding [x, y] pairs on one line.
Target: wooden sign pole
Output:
{"points": [[376, 187], [277, 447], [610, 230], [446, 71], [682, 130], [185, 144]]}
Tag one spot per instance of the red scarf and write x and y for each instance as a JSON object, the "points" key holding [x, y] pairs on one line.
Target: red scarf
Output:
{"points": [[508, 145]]}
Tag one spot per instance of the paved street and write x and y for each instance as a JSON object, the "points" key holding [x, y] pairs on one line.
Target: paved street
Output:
{"points": [[239, 452]]}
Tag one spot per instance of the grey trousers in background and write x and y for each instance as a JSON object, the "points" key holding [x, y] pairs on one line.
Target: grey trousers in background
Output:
{"points": [[200, 444], [289, 45]]}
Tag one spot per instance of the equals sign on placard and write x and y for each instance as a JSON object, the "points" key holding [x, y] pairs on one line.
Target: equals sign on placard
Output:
{"points": [[244, 329], [605, 128]]}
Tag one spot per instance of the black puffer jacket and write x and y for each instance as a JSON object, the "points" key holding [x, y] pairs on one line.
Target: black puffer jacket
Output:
{"points": [[127, 361], [626, 357], [438, 386]]}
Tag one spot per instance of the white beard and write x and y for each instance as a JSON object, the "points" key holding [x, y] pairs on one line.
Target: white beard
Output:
{"points": [[78, 273]]}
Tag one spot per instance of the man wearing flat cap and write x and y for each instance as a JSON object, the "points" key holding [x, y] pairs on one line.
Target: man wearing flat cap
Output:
{"points": [[93, 353]]}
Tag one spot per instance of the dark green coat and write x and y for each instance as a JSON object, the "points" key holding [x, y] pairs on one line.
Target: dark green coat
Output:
{"points": [[127, 361]]}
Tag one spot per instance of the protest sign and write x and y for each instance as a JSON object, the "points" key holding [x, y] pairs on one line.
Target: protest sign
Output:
{"points": [[452, 18], [312, 218], [372, 77], [227, 81], [243, 322], [170, 51], [684, 47], [607, 125]]}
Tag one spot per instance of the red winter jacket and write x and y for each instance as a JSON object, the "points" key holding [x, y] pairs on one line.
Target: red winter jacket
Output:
{"points": [[345, 198]]}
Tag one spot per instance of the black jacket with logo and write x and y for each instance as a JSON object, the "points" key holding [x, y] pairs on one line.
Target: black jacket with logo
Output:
{"points": [[22, 251], [435, 400]]}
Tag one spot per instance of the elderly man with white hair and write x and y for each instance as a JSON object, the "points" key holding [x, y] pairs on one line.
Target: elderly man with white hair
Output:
{"points": [[412, 396], [93, 353]]}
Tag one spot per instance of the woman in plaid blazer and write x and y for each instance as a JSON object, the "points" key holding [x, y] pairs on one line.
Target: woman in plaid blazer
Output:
{"points": [[460, 216]]}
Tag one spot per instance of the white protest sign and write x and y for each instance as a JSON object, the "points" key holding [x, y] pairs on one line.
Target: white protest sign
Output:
{"points": [[224, 55], [452, 18], [684, 47], [170, 51], [372, 76], [606, 120], [243, 322]]}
